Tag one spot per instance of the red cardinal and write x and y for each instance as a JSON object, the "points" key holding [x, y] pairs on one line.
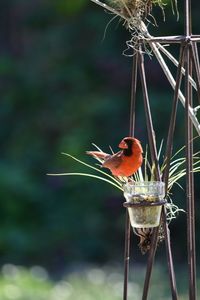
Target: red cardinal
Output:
{"points": [[125, 162]]}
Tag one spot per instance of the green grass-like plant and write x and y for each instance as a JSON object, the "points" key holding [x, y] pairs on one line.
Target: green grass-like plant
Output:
{"points": [[177, 171]]}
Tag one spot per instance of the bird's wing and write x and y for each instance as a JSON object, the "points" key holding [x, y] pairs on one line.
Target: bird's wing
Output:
{"points": [[113, 161]]}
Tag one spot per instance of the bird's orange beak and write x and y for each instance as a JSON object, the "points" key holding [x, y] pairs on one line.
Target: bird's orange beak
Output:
{"points": [[123, 145]]}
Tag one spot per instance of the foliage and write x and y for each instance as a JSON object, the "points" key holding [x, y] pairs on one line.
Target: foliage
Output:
{"points": [[105, 283], [177, 170]]}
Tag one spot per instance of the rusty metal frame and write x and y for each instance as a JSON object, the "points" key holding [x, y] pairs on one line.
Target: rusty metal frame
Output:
{"points": [[188, 58]]}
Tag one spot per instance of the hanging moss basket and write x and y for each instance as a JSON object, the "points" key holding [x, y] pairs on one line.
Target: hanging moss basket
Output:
{"points": [[144, 202]]}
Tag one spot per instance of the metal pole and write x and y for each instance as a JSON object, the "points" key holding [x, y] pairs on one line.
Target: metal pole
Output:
{"points": [[131, 133], [166, 173], [189, 161], [126, 255], [195, 62], [154, 239], [190, 184], [149, 123], [154, 158], [169, 146], [133, 93], [188, 18]]}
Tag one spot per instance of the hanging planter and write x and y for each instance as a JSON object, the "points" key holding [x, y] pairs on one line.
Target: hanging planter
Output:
{"points": [[145, 197], [144, 202]]}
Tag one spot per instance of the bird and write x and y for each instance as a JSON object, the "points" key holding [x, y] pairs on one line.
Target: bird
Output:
{"points": [[125, 162]]}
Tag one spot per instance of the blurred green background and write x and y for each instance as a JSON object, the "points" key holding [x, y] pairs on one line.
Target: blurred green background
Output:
{"points": [[64, 84]]}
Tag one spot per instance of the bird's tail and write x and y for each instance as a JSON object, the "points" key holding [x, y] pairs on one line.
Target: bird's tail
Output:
{"points": [[98, 154]]}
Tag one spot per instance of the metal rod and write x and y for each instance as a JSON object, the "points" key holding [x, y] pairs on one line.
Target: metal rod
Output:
{"points": [[150, 262], [166, 174], [156, 231], [189, 166], [195, 62], [175, 62], [167, 39], [154, 158], [133, 94], [131, 133], [190, 185], [169, 256], [195, 36], [172, 82], [126, 255], [149, 123], [197, 55], [172, 39], [188, 18], [169, 146], [193, 39]]}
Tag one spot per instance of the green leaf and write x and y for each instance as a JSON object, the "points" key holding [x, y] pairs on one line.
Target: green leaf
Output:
{"points": [[89, 175]]}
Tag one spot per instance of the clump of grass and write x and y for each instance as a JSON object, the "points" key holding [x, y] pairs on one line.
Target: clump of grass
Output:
{"points": [[141, 9], [136, 8], [135, 14], [146, 173]]}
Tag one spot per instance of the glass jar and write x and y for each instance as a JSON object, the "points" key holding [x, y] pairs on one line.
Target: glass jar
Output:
{"points": [[144, 202]]}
